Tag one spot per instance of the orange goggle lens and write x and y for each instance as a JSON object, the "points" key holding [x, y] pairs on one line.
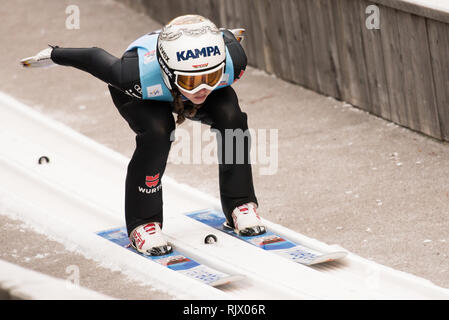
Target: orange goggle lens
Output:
{"points": [[191, 82]]}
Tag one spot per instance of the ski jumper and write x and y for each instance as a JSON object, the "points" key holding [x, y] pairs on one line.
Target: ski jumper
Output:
{"points": [[144, 101]]}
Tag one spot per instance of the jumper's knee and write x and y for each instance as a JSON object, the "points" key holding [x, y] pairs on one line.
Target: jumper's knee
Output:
{"points": [[155, 136]]}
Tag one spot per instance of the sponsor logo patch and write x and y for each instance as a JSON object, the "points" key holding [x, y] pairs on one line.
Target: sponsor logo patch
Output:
{"points": [[224, 80], [154, 91], [163, 53], [164, 66], [152, 183], [149, 56], [204, 65]]}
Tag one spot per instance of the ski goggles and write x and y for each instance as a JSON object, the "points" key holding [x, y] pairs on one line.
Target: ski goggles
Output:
{"points": [[194, 82]]}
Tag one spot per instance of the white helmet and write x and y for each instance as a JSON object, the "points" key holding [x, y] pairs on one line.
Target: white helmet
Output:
{"points": [[191, 53]]}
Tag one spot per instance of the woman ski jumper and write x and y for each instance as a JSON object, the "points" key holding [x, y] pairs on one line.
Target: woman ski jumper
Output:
{"points": [[185, 68]]}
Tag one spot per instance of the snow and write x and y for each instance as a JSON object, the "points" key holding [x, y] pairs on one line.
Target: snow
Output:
{"points": [[21, 283]]}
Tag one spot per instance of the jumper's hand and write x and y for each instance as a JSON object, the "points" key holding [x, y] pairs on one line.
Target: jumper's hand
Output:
{"points": [[238, 34], [40, 60]]}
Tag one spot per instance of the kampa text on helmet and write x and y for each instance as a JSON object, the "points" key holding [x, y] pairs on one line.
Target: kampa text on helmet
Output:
{"points": [[195, 54]]}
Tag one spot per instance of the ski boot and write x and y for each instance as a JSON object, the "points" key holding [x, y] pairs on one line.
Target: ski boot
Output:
{"points": [[149, 240], [246, 221]]}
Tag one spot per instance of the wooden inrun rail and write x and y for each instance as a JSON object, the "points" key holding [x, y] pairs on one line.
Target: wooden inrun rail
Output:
{"points": [[398, 70]]}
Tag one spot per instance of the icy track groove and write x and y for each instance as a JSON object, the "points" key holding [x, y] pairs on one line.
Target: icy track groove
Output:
{"points": [[81, 191]]}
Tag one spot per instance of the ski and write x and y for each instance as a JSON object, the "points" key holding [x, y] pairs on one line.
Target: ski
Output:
{"points": [[269, 241], [176, 261]]}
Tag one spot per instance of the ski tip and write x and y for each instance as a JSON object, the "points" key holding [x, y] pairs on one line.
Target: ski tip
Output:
{"points": [[328, 257], [227, 280]]}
